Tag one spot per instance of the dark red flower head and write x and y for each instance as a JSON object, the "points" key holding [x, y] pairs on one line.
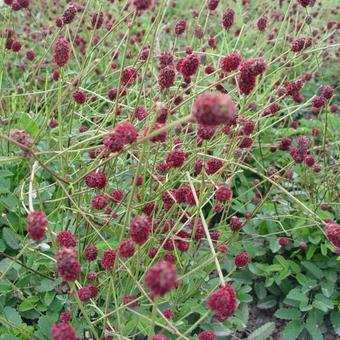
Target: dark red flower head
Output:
{"points": [[63, 331], [180, 27], [212, 4], [126, 249], [96, 180], [140, 228], [91, 252], [68, 264], [223, 302], [66, 239], [69, 14], [228, 18], [61, 52], [207, 335], [142, 5], [231, 62], [333, 233], [214, 108], [161, 278], [242, 259], [108, 259], [36, 225]]}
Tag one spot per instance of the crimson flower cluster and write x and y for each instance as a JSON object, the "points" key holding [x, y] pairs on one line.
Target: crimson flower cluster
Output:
{"points": [[223, 302]]}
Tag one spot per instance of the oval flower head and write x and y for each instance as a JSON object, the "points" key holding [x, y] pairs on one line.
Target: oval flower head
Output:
{"points": [[214, 108]]}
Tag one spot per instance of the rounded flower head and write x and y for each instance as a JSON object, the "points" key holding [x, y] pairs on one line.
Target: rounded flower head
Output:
{"points": [[87, 292], [99, 202], [166, 77], [140, 229], [96, 180], [61, 52], [333, 233], [180, 27], [262, 23], [159, 337], [22, 137], [63, 331], [126, 249], [91, 253], [214, 108], [283, 241], [228, 18], [161, 278], [36, 225], [223, 194], [212, 4], [65, 317], [66, 239], [68, 264], [242, 259], [69, 14], [79, 97], [129, 76], [142, 5], [223, 302], [188, 66], [207, 335], [108, 259], [176, 158], [122, 134], [231, 62], [304, 3]]}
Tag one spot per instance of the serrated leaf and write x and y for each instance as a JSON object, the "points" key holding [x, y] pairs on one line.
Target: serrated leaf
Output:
{"points": [[263, 332], [296, 295], [327, 288], [46, 285], [293, 329], [288, 313], [12, 315], [10, 238], [28, 304], [314, 331], [313, 269], [335, 320], [267, 303], [260, 290]]}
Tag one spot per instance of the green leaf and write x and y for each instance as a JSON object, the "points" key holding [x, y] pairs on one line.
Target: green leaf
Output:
{"points": [[288, 313], [313, 269], [296, 295], [267, 303], [263, 332], [10, 238], [293, 329], [12, 315], [314, 331], [323, 248], [283, 262], [322, 303], [260, 290], [28, 124], [28, 304], [327, 288], [46, 285], [8, 337], [335, 320], [274, 245], [310, 251]]}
